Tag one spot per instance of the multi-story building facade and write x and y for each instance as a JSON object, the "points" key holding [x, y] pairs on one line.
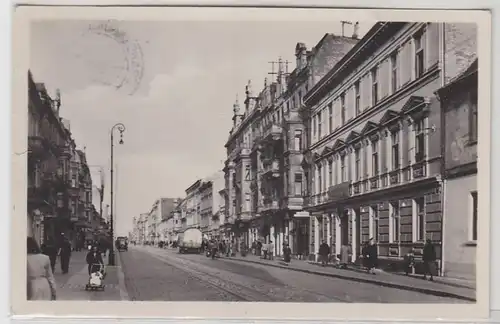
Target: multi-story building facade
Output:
{"points": [[373, 163], [159, 226], [459, 129], [50, 150], [142, 228], [192, 200], [263, 169], [209, 196], [177, 216]]}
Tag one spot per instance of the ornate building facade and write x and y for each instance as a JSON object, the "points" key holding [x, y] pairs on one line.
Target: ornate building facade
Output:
{"points": [[373, 164], [264, 151]]}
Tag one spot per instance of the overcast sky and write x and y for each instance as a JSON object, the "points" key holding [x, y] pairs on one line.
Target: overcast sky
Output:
{"points": [[178, 114]]}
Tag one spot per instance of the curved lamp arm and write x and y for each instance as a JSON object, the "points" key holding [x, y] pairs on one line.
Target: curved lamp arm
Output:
{"points": [[121, 128]]}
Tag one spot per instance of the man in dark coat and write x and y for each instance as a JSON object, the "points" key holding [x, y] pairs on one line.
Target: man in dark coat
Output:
{"points": [[65, 253], [428, 257], [49, 248], [324, 252]]}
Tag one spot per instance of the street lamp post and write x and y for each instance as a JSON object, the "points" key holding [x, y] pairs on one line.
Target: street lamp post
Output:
{"points": [[111, 258]]}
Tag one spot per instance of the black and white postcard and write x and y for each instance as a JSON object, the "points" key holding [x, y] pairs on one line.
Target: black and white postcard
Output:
{"points": [[298, 163]]}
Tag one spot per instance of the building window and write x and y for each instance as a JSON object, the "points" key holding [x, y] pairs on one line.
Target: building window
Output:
{"points": [[330, 118], [298, 140], [300, 98], [298, 184], [357, 164], [247, 173], [330, 172], [419, 141], [473, 121], [420, 209], [314, 127], [374, 86], [342, 107], [395, 150], [375, 166], [357, 104], [474, 216], [342, 169], [375, 222], [419, 56], [394, 72], [319, 125], [395, 222], [320, 179]]}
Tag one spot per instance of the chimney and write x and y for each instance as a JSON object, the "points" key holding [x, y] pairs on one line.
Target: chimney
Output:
{"points": [[58, 100], [301, 56], [355, 31]]}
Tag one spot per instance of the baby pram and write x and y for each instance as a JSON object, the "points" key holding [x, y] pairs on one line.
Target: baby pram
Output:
{"points": [[97, 274]]}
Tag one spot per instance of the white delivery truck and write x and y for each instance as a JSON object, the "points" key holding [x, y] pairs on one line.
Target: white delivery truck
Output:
{"points": [[190, 241]]}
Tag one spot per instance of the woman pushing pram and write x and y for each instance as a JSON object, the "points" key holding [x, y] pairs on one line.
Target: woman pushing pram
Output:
{"points": [[95, 268]]}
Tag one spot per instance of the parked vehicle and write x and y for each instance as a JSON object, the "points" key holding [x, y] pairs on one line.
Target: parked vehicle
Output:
{"points": [[190, 241], [121, 243]]}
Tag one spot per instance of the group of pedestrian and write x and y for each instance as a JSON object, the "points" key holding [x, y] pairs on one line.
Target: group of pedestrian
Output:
{"points": [[53, 249], [268, 250]]}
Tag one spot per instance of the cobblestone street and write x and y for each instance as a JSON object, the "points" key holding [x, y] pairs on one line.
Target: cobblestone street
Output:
{"points": [[153, 274]]}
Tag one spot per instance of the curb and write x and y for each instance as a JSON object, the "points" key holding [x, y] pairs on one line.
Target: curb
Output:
{"points": [[121, 278], [426, 291]]}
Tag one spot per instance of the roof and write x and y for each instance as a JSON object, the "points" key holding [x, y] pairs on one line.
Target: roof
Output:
{"points": [[468, 77]]}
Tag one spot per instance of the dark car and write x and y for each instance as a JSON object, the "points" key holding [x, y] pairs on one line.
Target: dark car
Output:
{"points": [[121, 244]]}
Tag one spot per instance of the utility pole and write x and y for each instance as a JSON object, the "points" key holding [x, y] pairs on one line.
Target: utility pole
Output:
{"points": [[272, 68]]}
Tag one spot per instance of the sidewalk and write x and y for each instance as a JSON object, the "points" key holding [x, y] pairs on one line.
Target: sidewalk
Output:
{"points": [[442, 287], [71, 286]]}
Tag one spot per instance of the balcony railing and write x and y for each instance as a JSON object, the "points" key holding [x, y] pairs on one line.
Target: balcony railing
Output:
{"points": [[273, 130], [367, 185]]}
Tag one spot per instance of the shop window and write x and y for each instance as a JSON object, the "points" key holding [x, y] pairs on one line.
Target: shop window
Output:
{"points": [[375, 222], [420, 219], [395, 225]]}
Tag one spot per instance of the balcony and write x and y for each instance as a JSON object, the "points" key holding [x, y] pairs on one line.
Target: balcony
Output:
{"points": [[272, 132], [418, 170], [394, 177], [37, 146], [271, 168]]}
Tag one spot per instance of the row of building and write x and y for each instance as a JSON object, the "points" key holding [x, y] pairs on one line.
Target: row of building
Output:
{"points": [[59, 194], [202, 207], [366, 139], [371, 138]]}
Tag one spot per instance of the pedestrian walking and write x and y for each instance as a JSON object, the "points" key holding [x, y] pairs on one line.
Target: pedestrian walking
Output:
{"points": [[344, 256], [259, 248], [40, 281], [429, 259], [94, 260], [372, 256], [324, 251], [287, 253], [270, 250], [265, 248], [64, 253], [49, 248]]}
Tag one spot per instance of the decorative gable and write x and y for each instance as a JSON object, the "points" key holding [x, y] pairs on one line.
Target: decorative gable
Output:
{"points": [[388, 117], [353, 136], [326, 151], [369, 128], [414, 103], [339, 144]]}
